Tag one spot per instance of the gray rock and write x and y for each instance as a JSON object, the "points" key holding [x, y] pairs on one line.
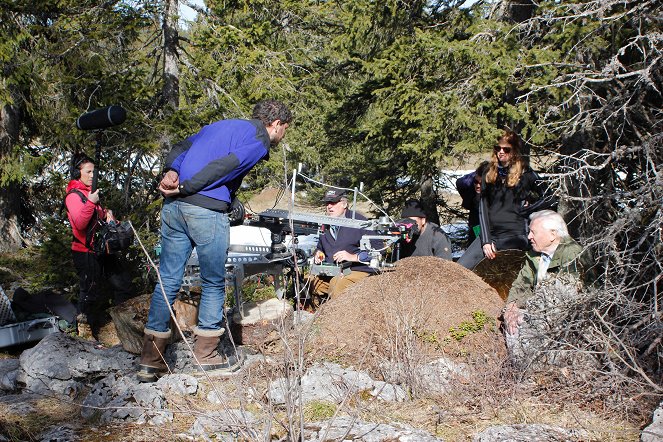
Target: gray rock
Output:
{"points": [[181, 384], [62, 433], [226, 425], [302, 317], [63, 365], [437, 375], [19, 403], [345, 428], [330, 382], [118, 398], [654, 431], [529, 433], [433, 377], [8, 373], [388, 392]]}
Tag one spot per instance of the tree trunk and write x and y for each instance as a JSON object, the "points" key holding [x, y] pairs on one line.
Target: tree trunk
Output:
{"points": [[171, 70], [10, 201], [429, 199], [515, 11]]}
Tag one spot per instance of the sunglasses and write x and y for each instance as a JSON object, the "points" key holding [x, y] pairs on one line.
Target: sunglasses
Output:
{"points": [[505, 149]]}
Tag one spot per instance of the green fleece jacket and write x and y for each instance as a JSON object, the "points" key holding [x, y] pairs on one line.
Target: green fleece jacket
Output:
{"points": [[567, 257]]}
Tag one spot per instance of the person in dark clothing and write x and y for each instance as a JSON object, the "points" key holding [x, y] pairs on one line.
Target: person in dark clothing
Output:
{"points": [[430, 239], [510, 192], [83, 211], [202, 175], [469, 188], [339, 245]]}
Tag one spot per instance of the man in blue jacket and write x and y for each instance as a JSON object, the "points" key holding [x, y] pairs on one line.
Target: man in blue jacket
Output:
{"points": [[202, 174], [340, 245]]}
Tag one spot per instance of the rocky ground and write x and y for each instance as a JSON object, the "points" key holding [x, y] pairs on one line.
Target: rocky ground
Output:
{"points": [[410, 355], [414, 354]]}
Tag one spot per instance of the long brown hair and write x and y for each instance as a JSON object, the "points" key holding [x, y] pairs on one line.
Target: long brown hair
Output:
{"points": [[517, 163]]}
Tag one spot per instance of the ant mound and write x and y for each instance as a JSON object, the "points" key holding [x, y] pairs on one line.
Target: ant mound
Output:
{"points": [[426, 308]]}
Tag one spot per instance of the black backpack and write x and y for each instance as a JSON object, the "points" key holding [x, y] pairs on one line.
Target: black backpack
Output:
{"points": [[110, 237]]}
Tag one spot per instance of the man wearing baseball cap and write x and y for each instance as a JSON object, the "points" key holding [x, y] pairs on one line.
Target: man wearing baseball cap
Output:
{"points": [[339, 245]]}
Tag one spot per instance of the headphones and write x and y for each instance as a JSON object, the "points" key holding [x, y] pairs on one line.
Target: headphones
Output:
{"points": [[76, 161]]}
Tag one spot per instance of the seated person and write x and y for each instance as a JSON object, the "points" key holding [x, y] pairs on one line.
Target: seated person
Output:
{"points": [[338, 245], [469, 188], [430, 239], [554, 252]]}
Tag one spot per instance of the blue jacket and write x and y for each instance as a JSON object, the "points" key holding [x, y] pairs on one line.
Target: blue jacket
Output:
{"points": [[212, 163], [347, 239]]}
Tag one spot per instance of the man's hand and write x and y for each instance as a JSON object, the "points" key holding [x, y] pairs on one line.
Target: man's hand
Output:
{"points": [[169, 185], [170, 181], [318, 257], [513, 317], [489, 250], [345, 256], [109, 216], [168, 193]]}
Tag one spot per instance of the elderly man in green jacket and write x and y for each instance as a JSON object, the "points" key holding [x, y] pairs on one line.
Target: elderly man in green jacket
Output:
{"points": [[554, 251]]}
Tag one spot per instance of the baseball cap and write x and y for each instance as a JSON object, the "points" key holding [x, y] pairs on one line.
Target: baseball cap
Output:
{"points": [[333, 195]]}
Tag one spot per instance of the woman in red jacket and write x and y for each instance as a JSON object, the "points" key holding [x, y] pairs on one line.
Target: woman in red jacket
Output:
{"points": [[84, 212]]}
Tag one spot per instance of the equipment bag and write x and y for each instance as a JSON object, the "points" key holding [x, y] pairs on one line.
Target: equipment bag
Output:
{"points": [[113, 237], [109, 238]]}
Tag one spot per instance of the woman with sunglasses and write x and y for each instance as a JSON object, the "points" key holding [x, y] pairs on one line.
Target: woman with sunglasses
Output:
{"points": [[84, 211], [510, 191]]}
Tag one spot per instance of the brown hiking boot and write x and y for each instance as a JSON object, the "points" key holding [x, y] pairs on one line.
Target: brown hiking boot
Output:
{"points": [[205, 349], [152, 365]]}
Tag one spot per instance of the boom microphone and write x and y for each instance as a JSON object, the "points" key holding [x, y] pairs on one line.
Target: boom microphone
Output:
{"points": [[102, 118]]}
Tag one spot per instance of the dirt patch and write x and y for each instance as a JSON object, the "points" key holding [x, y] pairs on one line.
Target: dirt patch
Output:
{"points": [[423, 309]]}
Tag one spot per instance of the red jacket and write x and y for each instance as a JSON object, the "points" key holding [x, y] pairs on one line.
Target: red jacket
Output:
{"points": [[81, 215]]}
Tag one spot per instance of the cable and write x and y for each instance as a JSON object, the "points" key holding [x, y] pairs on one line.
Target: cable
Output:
{"points": [[351, 190]]}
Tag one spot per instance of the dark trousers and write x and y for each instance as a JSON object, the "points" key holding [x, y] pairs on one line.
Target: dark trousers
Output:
{"points": [[92, 270], [474, 253]]}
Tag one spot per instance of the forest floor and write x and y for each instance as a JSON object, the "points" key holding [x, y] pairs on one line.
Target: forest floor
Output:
{"points": [[355, 331], [493, 395]]}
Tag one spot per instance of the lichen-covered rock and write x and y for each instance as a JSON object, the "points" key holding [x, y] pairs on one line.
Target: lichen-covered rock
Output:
{"points": [[347, 428], [8, 373], [119, 398], [654, 431], [64, 365], [530, 433], [332, 383]]}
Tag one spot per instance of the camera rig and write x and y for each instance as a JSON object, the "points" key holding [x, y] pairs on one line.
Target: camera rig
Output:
{"points": [[277, 259]]}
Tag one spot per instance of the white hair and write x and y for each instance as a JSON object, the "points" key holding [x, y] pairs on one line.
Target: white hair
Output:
{"points": [[551, 220]]}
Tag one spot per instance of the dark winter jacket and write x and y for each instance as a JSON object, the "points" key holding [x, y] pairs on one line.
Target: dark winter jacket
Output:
{"points": [[433, 242], [504, 211], [470, 201], [347, 238]]}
